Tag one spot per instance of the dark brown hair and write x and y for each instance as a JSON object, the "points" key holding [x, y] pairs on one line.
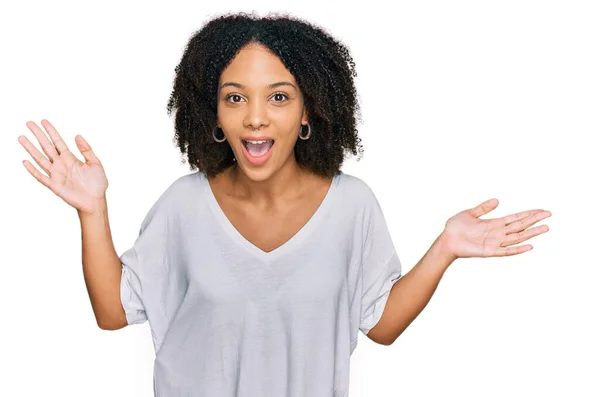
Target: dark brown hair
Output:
{"points": [[321, 65]]}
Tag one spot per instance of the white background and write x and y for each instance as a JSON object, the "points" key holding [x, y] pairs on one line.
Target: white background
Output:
{"points": [[461, 102]]}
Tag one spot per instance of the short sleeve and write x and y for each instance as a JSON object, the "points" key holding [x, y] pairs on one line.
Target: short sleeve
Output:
{"points": [[141, 263], [381, 267], [131, 288]]}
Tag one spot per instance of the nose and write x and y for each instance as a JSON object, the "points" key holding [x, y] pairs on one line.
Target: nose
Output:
{"points": [[256, 115]]}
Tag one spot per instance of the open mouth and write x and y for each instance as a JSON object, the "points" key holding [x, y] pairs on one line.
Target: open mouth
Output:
{"points": [[258, 148]]}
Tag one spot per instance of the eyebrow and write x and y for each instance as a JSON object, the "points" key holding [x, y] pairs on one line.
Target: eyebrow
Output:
{"points": [[270, 86]]}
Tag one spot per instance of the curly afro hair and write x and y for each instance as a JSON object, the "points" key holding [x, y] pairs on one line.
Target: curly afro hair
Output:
{"points": [[321, 65]]}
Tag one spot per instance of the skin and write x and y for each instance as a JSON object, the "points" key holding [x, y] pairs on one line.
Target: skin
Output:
{"points": [[279, 183], [279, 112], [465, 235]]}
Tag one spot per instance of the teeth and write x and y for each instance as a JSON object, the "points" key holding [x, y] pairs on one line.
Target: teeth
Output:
{"points": [[258, 142]]}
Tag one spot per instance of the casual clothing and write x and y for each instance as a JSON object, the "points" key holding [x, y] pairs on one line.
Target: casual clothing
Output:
{"points": [[230, 320]]}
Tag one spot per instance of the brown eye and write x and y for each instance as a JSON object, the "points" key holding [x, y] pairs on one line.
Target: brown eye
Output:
{"points": [[233, 96], [279, 95]]}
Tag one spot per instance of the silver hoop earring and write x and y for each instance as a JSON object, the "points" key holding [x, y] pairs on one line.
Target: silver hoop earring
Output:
{"points": [[304, 137], [215, 138]]}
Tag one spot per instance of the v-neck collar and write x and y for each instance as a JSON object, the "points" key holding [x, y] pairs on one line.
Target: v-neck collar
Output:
{"points": [[289, 245]]}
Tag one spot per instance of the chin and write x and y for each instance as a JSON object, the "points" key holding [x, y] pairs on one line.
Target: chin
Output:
{"points": [[256, 174]]}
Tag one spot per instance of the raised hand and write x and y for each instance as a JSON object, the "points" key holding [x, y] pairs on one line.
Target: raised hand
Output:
{"points": [[81, 185], [465, 235]]}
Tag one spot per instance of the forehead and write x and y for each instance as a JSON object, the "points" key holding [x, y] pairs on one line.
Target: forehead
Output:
{"points": [[256, 66]]}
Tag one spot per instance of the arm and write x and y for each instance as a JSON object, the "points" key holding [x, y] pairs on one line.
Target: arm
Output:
{"points": [[82, 186], [410, 294], [465, 236], [102, 268]]}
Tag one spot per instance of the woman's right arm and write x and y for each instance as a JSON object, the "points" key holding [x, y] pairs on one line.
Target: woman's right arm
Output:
{"points": [[101, 268], [83, 186]]}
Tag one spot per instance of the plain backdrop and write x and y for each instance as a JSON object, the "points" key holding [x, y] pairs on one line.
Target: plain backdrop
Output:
{"points": [[461, 101]]}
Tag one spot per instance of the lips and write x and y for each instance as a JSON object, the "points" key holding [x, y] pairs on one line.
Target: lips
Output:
{"points": [[257, 154]]}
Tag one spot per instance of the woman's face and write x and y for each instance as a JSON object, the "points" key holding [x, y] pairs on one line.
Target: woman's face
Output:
{"points": [[256, 90]]}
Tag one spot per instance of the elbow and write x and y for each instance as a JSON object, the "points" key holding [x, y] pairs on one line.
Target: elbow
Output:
{"points": [[382, 334], [104, 327], [112, 324], [384, 341], [388, 342], [380, 339]]}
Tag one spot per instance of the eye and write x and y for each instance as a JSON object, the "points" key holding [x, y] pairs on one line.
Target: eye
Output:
{"points": [[279, 95], [232, 96]]}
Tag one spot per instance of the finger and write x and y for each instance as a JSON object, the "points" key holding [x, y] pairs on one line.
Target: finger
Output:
{"points": [[509, 251], [57, 140], [516, 238], [86, 150], [46, 145], [484, 207], [43, 179], [39, 158], [518, 216], [524, 223]]}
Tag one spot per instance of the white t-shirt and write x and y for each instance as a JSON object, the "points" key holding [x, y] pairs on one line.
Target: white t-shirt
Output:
{"points": [[230, 320]]}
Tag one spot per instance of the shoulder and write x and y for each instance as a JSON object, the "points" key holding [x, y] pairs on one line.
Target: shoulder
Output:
{"points": [[184, 185], [356, 189], [175, 196]]}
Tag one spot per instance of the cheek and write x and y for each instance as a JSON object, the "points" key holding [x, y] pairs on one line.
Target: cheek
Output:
{"points": [[286, 143]]}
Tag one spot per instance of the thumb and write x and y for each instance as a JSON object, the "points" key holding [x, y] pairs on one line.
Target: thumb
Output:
{"points": [[484, 207], [86, 150]]}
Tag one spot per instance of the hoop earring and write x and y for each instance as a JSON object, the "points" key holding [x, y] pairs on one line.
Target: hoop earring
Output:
{"points": [[215, 138], [304, 137]]}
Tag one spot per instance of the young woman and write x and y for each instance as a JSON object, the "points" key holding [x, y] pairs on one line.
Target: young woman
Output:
{"points": [[257, 271]]}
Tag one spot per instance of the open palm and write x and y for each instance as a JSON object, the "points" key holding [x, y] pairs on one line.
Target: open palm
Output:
{"points": [[81, 185], [465, 235]]}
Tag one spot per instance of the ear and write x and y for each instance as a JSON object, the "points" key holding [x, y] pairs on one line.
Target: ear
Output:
{"points": [[304, 116]]}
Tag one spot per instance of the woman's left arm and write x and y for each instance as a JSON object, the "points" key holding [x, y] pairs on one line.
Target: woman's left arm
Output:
{"points": [[464, 236]]}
